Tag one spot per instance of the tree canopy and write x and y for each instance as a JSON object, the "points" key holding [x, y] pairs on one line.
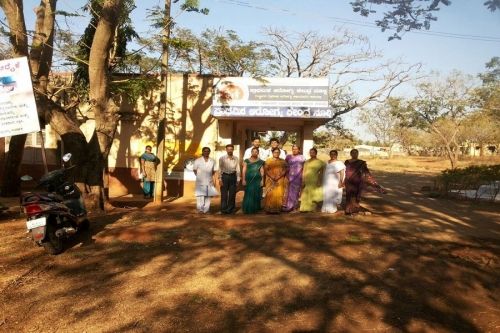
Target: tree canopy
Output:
{"points": [[407, 15], [453, 114]]}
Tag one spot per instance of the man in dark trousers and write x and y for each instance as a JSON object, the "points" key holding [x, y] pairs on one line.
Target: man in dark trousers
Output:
{"points": [[229, 177]]}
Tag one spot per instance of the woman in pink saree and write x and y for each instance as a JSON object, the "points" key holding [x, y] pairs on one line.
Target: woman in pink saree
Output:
{"points": [[357, 178]]}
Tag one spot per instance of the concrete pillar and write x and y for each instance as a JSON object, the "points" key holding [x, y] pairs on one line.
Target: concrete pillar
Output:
{"points": [[307, 138], [225, 136]]}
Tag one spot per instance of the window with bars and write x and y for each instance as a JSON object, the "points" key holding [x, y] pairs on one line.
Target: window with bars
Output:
{"points": [[32, 154], [32, 140]]}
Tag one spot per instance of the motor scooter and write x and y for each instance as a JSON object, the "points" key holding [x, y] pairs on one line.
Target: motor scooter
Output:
{"points": [[58, 213]]}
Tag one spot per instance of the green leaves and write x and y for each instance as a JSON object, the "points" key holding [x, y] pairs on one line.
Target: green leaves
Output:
{"points": [[67, 14], [193, 6], [448, 98], [135, 87], [469, 178], [492, 74], [492, 4], [218, 52], [125, 34], [407, 15], [159, 18], [401, 15]]}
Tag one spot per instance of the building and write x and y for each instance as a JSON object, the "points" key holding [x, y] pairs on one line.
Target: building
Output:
{"points": [[193, 121]]}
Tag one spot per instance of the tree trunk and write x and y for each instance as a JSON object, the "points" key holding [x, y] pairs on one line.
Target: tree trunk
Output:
{"points": [[160, 140], [389, 154], [41, 46], [11, 181], [13, 11], [455, 148], [106, 117], [451, 156], [73, 140], [40, 58], [448, 144], [94, 201]]}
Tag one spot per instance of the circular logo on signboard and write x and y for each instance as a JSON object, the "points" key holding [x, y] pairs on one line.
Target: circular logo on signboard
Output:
{"points": [[7, 83], [228, 92]]}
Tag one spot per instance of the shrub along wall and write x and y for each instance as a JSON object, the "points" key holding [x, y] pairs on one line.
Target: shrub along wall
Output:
{"points": [[469, 178]]}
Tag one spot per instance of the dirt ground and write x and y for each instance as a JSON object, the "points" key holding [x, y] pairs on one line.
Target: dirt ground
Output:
{"points": [[416, 264]]}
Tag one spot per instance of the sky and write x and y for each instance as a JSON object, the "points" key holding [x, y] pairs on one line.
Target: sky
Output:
{"points": [[465, 36], [466, 17]]}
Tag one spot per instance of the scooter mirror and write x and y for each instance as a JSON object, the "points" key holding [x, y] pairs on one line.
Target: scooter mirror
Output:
{"points": [[26, 178], [66, 157]]}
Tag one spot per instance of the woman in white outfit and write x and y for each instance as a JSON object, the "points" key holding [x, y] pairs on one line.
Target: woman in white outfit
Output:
{"points": [[333, 181]]}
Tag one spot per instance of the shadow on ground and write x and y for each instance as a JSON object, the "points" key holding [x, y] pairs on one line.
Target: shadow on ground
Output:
{"points": [[416, 264]]}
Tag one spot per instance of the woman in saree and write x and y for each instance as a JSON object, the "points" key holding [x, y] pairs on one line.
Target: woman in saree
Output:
{"points": [[295, 163], [312, 191], [357, 177], [149, 161], [275, 169], [253, 179], [333, 181]]}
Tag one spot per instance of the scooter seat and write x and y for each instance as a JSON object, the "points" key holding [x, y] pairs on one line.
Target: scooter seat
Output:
{"points": [[30, 198]]}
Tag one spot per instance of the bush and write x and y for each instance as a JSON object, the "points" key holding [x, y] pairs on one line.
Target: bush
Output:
{"points": [[469, 178]]}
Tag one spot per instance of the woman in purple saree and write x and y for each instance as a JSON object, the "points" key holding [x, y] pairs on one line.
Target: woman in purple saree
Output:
{"points": [[357, 178], [295, 165]]}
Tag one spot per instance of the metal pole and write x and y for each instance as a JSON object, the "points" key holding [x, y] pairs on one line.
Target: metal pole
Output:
{"points": [[160, 152], [44, 155]]}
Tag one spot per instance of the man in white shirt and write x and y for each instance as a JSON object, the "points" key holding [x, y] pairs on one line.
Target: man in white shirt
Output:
{"points": [[274, 144], [229, 177], [263, 154], [204, 169]]}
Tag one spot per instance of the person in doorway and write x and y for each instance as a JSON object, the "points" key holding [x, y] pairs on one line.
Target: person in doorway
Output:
{"points": [[274, 142], [204, 169], [275, 169], [253, 180], [149, 161], [295, 163], [229, 177], [333, 182], [256, 144], [312, 190], [357, 177]]}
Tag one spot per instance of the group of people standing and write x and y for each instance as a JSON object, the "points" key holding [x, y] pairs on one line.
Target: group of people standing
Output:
{"points": [[277, 182]]}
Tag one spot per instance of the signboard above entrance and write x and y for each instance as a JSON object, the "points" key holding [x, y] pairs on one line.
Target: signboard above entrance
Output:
{"points": [[271, 97]]}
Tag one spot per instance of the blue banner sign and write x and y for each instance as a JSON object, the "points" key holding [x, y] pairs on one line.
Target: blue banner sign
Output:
{"points": [[271, 112]]}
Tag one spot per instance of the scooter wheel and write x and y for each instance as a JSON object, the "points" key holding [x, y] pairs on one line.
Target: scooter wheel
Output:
{"points": [[52, 244]]}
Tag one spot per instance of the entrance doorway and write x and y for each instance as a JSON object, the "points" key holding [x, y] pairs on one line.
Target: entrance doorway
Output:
{"points": [[240, 131], [265, 130], [286, 138]]}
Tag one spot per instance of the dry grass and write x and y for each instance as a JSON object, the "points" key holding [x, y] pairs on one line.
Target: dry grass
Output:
{"points": [[419, 164], [424, 165]]}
